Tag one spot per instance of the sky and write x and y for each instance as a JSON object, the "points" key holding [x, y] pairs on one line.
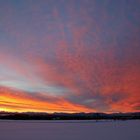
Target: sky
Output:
{"points": [[70, 55]]}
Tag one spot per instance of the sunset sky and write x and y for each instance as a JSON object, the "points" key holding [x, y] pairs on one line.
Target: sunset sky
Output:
{"points": [[70, 55]]}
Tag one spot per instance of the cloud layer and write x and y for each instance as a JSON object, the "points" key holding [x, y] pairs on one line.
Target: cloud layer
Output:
{"points": [[70, 56]]}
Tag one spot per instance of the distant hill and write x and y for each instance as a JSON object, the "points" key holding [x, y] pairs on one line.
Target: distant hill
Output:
{"points": [[68, 116]]}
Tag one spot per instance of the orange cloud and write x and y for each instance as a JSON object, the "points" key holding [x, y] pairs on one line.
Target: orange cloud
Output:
{"points": [[19, 101]]}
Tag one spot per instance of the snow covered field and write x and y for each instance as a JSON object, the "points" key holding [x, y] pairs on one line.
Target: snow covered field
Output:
{"points": [[69, 130]]}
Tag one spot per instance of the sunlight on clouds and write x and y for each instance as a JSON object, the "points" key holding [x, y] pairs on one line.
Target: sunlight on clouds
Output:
{"points": [[70, 56]]}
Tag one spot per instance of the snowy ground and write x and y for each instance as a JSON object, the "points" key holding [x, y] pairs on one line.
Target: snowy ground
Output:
{"points": [[70, 130]]}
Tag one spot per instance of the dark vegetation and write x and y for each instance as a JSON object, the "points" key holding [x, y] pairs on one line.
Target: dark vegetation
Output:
{"points": [[68, 116]]}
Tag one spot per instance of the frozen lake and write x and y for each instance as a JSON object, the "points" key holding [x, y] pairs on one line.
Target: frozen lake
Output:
{"points": [[70, 130]]}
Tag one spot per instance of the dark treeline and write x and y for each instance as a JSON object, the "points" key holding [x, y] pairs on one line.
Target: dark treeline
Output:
{"points": [[68, 116]]}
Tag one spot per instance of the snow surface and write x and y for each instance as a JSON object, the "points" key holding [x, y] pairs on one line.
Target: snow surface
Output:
{"points": [[69, 130]]}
